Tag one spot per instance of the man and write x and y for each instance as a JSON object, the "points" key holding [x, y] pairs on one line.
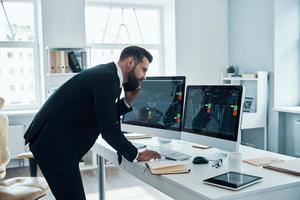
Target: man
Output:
{"points": [[71, 120]]}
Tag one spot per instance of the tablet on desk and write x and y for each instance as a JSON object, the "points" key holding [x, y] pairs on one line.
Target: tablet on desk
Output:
{"points": [[233, 180]]}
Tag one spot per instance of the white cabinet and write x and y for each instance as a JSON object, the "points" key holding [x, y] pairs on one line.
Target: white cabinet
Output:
{"points": [[257, 117], [292, 136]]}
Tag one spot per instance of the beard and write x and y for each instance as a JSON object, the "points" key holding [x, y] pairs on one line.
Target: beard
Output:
{"points": [[133, 83]]}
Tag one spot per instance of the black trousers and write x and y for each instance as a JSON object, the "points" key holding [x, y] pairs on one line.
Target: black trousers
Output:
{"points": [[64, 184]]}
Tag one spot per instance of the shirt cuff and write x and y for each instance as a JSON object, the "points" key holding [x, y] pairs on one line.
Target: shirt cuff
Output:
{"points": [[127, 104], [137, 155]]}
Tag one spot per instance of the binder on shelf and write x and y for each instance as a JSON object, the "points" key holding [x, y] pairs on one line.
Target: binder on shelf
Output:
{"points": [[57, 62], [67, 67], [52, 62], [73, 62], [78, 56], [83, 60], [62, 62]]}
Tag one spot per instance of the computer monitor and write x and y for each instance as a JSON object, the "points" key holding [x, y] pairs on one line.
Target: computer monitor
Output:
{"points": [[158, 109], [213, 115]]}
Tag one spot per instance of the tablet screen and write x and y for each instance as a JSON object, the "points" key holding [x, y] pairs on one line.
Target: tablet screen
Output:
{"points": [[233, 180]]}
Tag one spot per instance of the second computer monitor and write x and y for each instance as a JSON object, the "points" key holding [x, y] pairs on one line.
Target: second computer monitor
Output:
{"points": [[158, 108], [212, 115]]}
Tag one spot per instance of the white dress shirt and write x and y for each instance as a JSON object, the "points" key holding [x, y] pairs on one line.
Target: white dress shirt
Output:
{"points": [[120, 75]]}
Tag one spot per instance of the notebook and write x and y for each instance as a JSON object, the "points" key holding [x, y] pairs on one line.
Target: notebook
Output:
{"points": [[133, 136], [160, 167], [262, 161], [290, 167]]}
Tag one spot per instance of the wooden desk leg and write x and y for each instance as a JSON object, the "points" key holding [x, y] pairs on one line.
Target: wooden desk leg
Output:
{"points": [[101, 169]]}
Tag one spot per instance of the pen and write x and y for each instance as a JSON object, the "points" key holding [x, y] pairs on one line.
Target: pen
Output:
{"points": [[201, 147], [168, 158]]}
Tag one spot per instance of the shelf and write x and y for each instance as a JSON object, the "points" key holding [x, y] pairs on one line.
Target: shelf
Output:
{"points": [[13, 113], [60, 74], [66, 48], [292, 109], [57, 68], [258, 119], [239, 79]]}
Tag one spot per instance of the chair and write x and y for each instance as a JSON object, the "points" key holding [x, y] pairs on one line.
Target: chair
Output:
{"points": [[19, 188]]}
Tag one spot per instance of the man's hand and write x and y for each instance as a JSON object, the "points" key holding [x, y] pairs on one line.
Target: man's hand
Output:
{"points": [[148, 155], [131, 95]]}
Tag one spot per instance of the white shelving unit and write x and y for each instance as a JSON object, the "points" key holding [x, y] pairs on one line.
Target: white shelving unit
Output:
{"points": [[257, 119], [58, 72]]}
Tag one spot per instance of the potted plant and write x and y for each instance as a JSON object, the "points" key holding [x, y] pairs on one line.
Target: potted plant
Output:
{"points": [[230, 71]]}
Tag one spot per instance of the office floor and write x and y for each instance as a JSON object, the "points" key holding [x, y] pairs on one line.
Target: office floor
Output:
{"points": [[119, 185]]}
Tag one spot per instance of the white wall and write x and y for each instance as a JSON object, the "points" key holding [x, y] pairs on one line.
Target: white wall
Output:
{"points": [[251, 48], [201, 40], [287, 71], [287, 48], [63, 23], [264, 35]]}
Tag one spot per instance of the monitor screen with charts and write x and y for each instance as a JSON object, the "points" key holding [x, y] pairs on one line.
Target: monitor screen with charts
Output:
{"points": [[213, 112], [159, 104]]}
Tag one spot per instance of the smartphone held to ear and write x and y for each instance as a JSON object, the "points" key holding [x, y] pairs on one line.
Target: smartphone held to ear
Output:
{"points": [[130, 87]]}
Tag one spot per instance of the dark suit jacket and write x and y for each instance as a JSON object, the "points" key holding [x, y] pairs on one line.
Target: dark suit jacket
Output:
{"points": [[70, 121]]}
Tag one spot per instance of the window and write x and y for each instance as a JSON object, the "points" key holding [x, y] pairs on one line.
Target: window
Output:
{"points": [[109, 29], [18, 55]]}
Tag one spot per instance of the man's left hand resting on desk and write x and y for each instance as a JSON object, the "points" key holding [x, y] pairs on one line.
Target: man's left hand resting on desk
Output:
{"points": [[147, 155]]}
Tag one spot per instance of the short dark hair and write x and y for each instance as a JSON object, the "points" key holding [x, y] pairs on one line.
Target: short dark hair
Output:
{"points": [[138, 53]]}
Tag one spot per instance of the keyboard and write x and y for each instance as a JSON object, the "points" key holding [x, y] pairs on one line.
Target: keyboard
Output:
{"points": [[139, 145], [171, 154]]}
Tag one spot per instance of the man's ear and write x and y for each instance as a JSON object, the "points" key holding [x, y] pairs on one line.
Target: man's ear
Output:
{"points": [[130, 63]]}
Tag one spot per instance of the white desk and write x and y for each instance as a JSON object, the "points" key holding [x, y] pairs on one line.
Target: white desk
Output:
{"points": [[275, 185]]}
